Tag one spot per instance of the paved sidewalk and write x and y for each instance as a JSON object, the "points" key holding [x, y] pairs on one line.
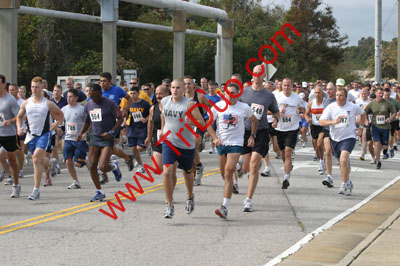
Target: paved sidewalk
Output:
{"points": [[368, 236]]}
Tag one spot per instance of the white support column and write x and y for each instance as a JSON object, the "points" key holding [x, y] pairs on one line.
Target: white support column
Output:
{"points": [[179, 27], [226, 64], [8, 39], [218, 57], [378, 41], [109, 18]]}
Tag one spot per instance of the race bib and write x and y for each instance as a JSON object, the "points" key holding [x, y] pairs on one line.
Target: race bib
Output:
{"points": [[71, 128], [258, 110], [380, 119], [95, 115], [137, 116], [2, 119], [287, 120], [344, 121], [315, 118]]}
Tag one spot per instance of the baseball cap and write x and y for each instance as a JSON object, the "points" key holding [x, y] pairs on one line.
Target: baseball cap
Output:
{"points": [[304, 84], [340, 82]]}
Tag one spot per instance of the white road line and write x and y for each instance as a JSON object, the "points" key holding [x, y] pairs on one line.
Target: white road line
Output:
{"points": [[327, 225]]}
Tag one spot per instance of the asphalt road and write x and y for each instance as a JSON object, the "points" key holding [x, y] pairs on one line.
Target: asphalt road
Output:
{"points": [[64, 228]]}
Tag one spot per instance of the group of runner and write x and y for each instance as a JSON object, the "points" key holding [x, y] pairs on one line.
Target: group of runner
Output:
{"points": [[173, 120]]}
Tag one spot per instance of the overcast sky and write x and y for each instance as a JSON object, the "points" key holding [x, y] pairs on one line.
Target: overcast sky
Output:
{"points": [[356, 18]]}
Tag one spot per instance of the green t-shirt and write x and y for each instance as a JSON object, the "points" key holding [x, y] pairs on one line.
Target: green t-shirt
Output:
{"points": [[380, 112], [396, 105]]}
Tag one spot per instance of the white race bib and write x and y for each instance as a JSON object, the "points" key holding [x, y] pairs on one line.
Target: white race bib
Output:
{"points": [[380, 119], [258, 110], [344, 121], [287, 120], [95, 115], [71, 128], [315, 118], [137, 116], [2, 119]]}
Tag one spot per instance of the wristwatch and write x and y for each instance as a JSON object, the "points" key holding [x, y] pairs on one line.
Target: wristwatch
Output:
{"points": [[254, 135], [112, 133]]}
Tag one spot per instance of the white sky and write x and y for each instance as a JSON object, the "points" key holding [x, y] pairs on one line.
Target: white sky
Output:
{"points": [[356, 18]]}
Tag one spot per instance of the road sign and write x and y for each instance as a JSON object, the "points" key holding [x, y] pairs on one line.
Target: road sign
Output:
{"points": [[270, 70]]}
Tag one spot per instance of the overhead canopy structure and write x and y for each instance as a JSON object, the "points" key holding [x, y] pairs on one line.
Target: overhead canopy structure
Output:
{"points": [[9, 10]]}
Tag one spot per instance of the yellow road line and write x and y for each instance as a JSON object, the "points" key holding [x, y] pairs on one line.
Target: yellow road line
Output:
{"points": [[112, 199]]}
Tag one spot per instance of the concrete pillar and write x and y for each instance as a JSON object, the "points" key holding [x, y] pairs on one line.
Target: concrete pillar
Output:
{"points": [[109, 18], [218, 57], [8, 39], [226, 64], [179, 27]]}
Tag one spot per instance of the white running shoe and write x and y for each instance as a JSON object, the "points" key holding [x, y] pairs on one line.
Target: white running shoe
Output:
{"points": [[266, 172], [342, 189], [16, 190], [239, 169], [247, 205]]}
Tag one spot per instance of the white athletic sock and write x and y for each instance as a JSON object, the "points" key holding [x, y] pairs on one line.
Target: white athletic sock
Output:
{"points": [[226, 202], [348, 182], [267, 168], [330, 177], [286, 176], [58, 165], [101, 191], [235, 182], [115, 166], [36, 189]]}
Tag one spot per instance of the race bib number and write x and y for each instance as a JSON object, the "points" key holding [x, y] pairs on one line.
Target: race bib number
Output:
{"points": [[71, 128], [137, 116], [344, 121], [258, 110], [287, 120], [315, 118], [380, 119], [95, 115], [2, 119]]}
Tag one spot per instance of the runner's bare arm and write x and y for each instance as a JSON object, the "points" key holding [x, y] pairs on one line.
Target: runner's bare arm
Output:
{"points": [[363, 117], [150, 126], [195, 114], [213, 135], [301, 112], [308, 113], [20, 117], [203, 99], [56, 113], [254, 127]]}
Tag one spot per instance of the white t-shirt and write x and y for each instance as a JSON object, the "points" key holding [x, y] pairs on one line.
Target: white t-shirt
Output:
{"points": [[355, 93], [276, 93], [230, 124], [290, 119], [346, 129], [393, 95], [360, 102]]}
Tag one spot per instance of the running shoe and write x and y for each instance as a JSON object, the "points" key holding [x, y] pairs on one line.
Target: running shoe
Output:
{"points": [[141, 169], [323, 168], [1, 176], [21, 174], [189, 208], [362, 157], [342, 189], [285, 184], [74, 185], [47, 182], [239, 169], [16, 189], [28, 158], [315, 158], [169, 212], [395, 147], [391, 153], [303, 145], [266, 172], [373, 161], [349, 189], [103, 178], [149, 151], [113, 158], [278, 156], [247, 205], [98, 197], [213, 150], [129, 162], [53, 171], [385, 156], [35, 195], [117, 172], [58, 170], [222, 212], [9, 181], [235, 189], [327, 182], [379, 165]]}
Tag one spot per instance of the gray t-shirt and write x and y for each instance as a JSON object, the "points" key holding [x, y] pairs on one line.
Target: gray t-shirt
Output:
{"points": [[260, 102], [74, 117], [9, 109]]}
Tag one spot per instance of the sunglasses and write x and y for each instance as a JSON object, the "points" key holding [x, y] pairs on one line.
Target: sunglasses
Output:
{"points": [[133, 83]]}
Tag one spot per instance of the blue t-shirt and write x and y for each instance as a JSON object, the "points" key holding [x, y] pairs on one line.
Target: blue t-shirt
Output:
{"points": [[61, 103], [214, 99], [137, 111], [114, 93]]}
